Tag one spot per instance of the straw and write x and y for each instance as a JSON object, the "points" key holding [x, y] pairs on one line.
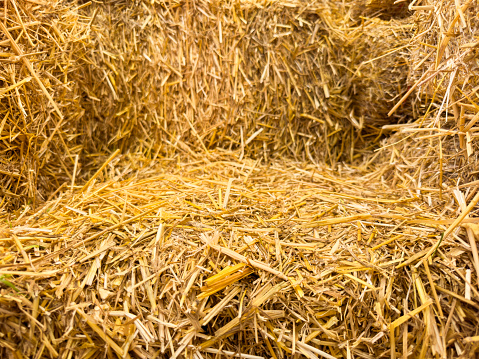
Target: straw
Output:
{"points": [[203, 179], [232, 278]]}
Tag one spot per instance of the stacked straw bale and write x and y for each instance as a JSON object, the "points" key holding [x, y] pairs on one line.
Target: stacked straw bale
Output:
{"points": [[440, 149], [41, 51], [282, 78]]}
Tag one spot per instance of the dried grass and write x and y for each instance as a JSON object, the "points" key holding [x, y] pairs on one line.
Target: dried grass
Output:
{"points": [[274, 79], [208, 173], [384, 9], [41, 51]]}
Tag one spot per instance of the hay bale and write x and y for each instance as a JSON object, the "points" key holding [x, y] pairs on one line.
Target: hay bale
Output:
{"points": [[277, 79], [382, 64], [39, 102], [439, 150]]}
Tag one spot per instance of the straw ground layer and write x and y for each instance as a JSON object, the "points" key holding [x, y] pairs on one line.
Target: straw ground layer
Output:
{"points": [[206, 258]]}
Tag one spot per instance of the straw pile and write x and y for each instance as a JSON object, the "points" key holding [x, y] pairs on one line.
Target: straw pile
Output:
{"points": [[152, 245], [218, 257]]}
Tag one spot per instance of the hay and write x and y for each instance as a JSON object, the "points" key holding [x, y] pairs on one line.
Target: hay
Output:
{"points": [[219, 256], [207, 174], [383, 9], [275, 79]]}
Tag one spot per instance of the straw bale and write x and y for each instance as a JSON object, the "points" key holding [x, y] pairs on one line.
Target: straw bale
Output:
{"points": [[381, 71], [274, 79], [217, 258], [440, 149], [39, 103]]}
